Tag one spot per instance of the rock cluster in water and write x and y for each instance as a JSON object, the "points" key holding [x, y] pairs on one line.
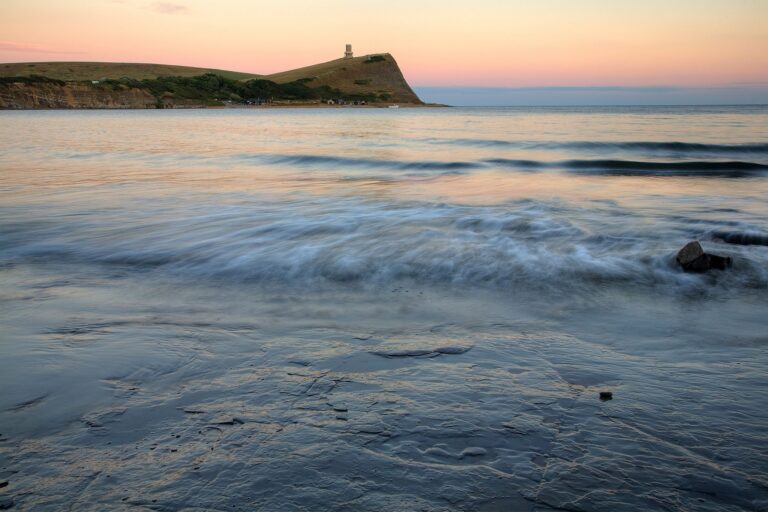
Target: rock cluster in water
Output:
{"points": [[693, 259]]}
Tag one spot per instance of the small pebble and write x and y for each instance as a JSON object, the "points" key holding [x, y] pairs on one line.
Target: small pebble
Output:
{"points": [[606, 395]]}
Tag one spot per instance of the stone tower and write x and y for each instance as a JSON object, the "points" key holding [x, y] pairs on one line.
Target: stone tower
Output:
{"points": [[348, 52]]}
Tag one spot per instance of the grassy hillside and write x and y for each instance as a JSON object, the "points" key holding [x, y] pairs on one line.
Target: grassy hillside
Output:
{"points": [[79, 71], [371, 74], [373, 78]]}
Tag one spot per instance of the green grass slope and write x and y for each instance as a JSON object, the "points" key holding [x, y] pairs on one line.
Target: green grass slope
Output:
{"points": [[78, 71], [371, 74]]}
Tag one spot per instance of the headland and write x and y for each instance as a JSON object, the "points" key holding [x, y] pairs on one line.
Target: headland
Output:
{"points": [[368, 81]]}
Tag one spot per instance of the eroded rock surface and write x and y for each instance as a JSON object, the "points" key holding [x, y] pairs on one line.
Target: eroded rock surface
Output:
{"points": [[511, 425]]}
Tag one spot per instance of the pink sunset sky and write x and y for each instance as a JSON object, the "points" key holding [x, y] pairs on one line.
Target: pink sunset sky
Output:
{"points": [[490, 43]]}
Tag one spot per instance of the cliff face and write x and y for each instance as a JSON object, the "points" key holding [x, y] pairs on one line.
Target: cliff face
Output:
{"points": [[49, 95]]}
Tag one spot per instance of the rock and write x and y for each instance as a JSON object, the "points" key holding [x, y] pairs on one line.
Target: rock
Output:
{"points": [[606, 395], [690, 253], [718, 262], [4, 484], [422, 352], [473, 451], [233, 421], [404, 353], [693, 259], [452, 350]]}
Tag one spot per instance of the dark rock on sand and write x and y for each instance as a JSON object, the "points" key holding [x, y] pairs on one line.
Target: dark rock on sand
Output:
{"points": [[422, 352], [233, 421], [452, 350], [403, 353], [693, 259], [606, 395]]}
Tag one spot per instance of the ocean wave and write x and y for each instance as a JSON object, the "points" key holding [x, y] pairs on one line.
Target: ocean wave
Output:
{"points": [[331, 162], [370, 163], [517, 163], [675, 147], [616, 167], [735, 169], [740, 238], [643, 168], [525, 246]]}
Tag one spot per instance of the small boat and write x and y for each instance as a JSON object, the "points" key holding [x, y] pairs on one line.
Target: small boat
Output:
{"points": [[394, 106]]}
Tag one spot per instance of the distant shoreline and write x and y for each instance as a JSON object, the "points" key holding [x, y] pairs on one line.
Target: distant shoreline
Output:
{"points": [[239, 107]]}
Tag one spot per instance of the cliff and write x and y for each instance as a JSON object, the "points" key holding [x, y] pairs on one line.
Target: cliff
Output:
{"points": [[71, 95], [371, 74], [372, 79]]}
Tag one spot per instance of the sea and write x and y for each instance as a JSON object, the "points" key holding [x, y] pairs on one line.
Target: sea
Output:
{"points": [[360, 309]]}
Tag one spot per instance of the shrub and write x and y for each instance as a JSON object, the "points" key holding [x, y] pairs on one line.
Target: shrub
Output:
{"points": [[31, 79]]}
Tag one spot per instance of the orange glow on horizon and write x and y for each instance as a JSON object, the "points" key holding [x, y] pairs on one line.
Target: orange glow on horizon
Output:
{"points": [[482, 43]]}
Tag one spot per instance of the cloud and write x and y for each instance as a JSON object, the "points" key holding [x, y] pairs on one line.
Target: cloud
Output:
{"points": [[14, 46], [169, 8]]}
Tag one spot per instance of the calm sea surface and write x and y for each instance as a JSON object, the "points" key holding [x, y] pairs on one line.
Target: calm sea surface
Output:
{"points": [[321, 309]]}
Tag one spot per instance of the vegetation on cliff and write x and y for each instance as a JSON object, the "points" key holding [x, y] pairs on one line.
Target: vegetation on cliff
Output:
{"points": [[211, 89], [31, 79], [370, 79]]}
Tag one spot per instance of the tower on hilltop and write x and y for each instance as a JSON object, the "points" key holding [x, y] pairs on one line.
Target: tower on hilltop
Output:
{"points": [[348, 52]]}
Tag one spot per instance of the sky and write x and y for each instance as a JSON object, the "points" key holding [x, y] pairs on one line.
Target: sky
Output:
{"points": [[475, 52]]}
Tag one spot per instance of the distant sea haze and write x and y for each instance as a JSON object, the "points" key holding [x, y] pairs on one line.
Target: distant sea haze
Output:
{"points": [[736, 94]]}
